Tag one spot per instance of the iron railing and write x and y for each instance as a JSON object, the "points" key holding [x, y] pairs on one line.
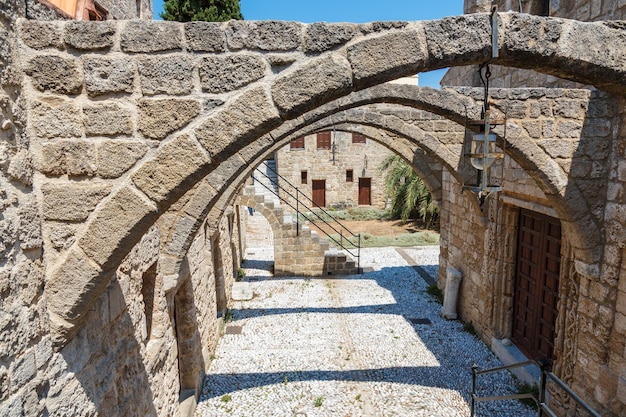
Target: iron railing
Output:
{"points": [[545, 366], [311, 214]]}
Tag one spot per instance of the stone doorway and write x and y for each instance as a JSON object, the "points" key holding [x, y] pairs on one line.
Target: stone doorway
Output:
{"points": [[536, 284]]}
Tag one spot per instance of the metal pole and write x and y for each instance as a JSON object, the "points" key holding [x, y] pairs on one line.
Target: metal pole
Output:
{"points": [[545, 366], [297, 212], [358, 256], [472, 402]]}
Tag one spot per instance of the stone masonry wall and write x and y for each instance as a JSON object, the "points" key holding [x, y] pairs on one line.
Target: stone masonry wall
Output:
{"points": [[591, 328], [363, 159]]}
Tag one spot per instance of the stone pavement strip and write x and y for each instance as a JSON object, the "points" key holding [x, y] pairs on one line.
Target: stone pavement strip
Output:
{"points": [[361, 345]]}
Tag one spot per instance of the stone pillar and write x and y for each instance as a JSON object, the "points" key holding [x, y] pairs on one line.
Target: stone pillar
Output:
{"points": [[453, 280]]}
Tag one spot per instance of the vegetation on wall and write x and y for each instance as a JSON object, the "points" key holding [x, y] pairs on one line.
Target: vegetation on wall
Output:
{"points": [[204, 10], [410, 198]]}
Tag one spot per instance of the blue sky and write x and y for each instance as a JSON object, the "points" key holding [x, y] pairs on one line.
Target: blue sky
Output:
{"points": [[357, 11]]}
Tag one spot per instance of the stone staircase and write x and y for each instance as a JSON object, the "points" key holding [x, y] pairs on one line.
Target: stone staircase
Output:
{"points": [[296, 252]]}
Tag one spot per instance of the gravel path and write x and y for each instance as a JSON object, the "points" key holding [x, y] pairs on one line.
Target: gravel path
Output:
{"points": [[346, 347]]}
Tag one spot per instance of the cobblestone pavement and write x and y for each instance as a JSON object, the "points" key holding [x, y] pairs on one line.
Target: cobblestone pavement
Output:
{"points": [[361, 345]]}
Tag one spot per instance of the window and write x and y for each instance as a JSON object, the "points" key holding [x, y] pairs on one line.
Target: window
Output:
{"points": [[323, 140], [303, 177], [358, 138], [297, 143], [349, 176]]}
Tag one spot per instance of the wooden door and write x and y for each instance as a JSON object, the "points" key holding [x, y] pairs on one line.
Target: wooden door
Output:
{"points": [[319, 192], [536, 284], [365, 191]]}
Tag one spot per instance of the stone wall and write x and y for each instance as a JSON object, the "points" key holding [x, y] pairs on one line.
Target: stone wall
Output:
{"points": [[364, 159], [590, 327]]}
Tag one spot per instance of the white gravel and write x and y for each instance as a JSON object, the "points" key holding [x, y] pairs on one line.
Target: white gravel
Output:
{"points": [[345, 347]]}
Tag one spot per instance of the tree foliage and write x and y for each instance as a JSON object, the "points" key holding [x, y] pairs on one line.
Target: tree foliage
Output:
{"points": [[205, 10], [410, 198]]}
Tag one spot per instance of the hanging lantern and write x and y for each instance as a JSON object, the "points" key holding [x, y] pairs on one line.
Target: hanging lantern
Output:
{"points": [[483, 150]]}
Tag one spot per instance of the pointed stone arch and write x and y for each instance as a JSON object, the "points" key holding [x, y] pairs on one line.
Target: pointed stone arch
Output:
{"points": [[371, 55]]}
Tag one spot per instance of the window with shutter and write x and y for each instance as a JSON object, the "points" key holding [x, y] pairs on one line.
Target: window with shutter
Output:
{"points": [[323, 140]]}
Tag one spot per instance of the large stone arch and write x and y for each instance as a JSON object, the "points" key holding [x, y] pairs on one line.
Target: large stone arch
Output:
{"points": [[273, 89]]}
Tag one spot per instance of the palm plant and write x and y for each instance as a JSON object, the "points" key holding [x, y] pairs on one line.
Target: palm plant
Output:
{"points": [[409, 195]]}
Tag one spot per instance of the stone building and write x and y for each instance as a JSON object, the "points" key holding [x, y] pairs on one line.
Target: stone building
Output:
{"points": [[334, 169], [528, 286], [124, 144]]}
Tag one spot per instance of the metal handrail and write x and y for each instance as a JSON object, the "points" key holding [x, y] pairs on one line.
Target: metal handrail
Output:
{"points": [[545, 366], [298, 212], [306, 197]]}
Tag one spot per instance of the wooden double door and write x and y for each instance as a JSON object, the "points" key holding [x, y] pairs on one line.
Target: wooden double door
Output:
{"points": [[536, 284]]}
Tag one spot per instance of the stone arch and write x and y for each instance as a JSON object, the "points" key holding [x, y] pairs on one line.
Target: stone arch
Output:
{"points": [[373, 117], [369, 57]]}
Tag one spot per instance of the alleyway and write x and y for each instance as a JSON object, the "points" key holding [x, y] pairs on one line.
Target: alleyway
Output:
{"points": [[369, 345]]}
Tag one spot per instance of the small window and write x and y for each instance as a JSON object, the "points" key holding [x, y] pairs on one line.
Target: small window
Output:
{"points": [[358, 138], [303, 177], [349, 176], [297, 143], [323, 140]]}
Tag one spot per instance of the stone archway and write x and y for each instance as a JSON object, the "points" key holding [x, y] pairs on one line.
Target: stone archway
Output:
{"points": [[257, 102]]}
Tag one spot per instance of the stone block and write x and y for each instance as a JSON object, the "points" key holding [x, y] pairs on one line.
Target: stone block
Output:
{"points": [[317, 82], [115, 157], [79, 158], [54, 117], [177, 165], [104, 74], [170, 74], [30, 225], [40, 35], [55, 74], [159, 117], [107, 119], [197, 205], [151, 36], [23, 369], [558, 148], [71, 202], [452, 38], [529, 33], [183, 230], [117, 226], [61, 236], [21, 167], [387, 57], [219, 74], [266, 35], [87, 35], [205, 36], [71, 286], [247, 117], [320, 37]]}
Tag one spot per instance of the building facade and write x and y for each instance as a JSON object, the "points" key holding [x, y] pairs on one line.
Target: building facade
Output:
{"points": [[334, 169]]}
